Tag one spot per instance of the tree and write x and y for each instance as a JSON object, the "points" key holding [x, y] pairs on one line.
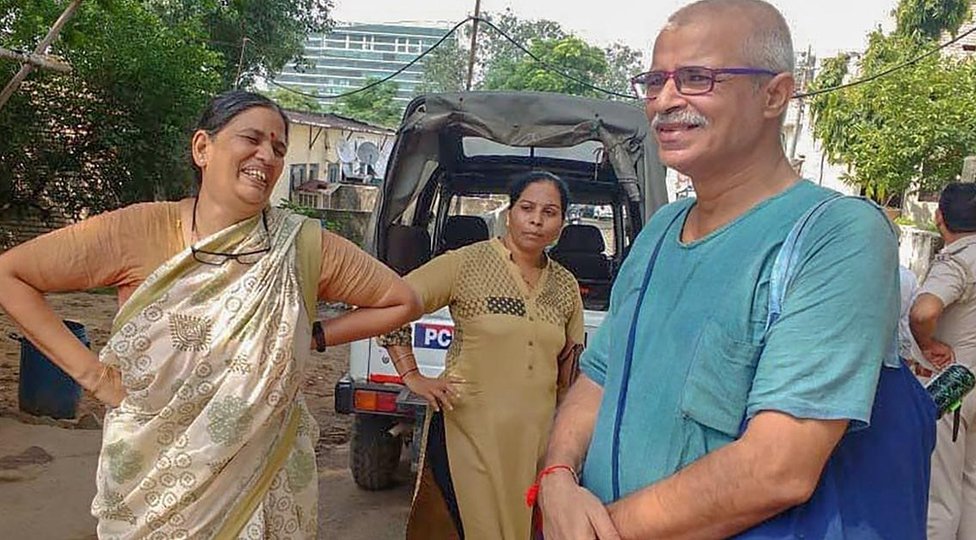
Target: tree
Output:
{"points": [[500, 64], [569, 55], [275, 31], [445, 68], [928, 19], [622, 64], [294, 101], [498, 56], [911, 128], [375, 105], [116, 129]]}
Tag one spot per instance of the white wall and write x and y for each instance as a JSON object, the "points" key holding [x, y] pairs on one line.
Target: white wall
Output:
{"points": [[815, 167]]}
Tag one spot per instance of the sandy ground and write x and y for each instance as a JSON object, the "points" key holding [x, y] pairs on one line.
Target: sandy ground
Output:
{"points": [[47, 471]]}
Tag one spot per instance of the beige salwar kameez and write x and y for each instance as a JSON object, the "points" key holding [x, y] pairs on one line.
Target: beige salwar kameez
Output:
{"points": [[507, 340]]}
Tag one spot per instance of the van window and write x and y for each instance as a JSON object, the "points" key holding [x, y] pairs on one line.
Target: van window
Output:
{"points": [[491, 208], [587, 151], [599, 216]]}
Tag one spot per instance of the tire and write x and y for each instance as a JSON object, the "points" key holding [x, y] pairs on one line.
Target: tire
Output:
{"points": [[374, 454]]}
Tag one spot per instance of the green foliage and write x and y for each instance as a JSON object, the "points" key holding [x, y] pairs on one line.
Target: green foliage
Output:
{"points": [[445, 68], [500, 65], [275, 31], [293, 101], [907, 130], [374, 106], [622, 64], [904, 221], [927, 19], [569, 55], [297, 208], [113, 131], [499, 57], [335, 226], [116, 130]]}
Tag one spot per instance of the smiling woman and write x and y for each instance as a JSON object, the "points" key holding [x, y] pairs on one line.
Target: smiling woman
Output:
{"points": [[208, 435], [240, 146]]}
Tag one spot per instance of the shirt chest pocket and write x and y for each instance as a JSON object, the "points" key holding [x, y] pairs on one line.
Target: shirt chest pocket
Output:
{"points": [[716, 390]]}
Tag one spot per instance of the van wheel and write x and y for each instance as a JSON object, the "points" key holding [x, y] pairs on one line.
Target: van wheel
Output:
{"points": [[374, 454]]}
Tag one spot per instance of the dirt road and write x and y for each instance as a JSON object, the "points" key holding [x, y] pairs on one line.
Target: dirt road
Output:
{"points": [[46, 494]]}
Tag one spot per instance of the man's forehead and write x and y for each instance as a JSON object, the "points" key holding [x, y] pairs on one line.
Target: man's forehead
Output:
{"points": [[702, 40]]}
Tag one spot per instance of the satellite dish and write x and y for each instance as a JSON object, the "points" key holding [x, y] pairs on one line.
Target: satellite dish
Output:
{"points": [[347, 153], [368, 153]]}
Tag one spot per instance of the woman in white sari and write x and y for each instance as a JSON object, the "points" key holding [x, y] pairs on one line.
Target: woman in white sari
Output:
{"points": [[207, 434]]}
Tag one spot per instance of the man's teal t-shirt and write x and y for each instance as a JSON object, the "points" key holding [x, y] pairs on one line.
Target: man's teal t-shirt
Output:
{"points": [[701, 364]]}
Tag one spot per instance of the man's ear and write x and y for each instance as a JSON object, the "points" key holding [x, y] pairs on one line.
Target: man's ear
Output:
{"points": [[777, 94]]}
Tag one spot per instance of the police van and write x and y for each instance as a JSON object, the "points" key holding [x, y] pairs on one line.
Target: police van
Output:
{"points": [[445, 188]]}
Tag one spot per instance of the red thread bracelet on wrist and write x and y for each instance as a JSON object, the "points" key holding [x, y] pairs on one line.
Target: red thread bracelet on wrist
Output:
{"points": [[409, 371], [532, 494]]}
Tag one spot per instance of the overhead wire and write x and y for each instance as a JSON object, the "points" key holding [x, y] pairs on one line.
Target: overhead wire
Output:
{"points": [[549, 67], [888, 71]]}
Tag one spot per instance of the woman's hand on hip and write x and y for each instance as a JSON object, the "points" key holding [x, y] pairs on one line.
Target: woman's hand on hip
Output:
{"points": [[108, 387], [439, 393]]}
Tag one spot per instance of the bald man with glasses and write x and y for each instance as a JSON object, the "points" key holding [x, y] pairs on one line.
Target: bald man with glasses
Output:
{"points": [[732, 391]]}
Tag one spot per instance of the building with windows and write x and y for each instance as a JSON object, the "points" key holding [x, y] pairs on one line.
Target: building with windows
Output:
{"points": [[327, 152], [343, 59]]}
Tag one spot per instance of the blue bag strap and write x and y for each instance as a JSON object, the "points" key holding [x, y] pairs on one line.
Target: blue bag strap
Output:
{"points": [[785, 266], [629, 356]]}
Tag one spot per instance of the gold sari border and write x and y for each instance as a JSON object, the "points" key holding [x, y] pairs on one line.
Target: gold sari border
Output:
{"points": [[239, 516]]}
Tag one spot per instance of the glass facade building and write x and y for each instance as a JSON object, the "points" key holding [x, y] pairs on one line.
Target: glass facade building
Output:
{"points": [[343, 59]]}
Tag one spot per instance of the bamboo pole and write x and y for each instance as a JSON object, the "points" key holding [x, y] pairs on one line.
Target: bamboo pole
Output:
{"points": [[38, 60], [41, 48]]}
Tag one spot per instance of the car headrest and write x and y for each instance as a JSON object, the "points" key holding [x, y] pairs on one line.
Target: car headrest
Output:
{"points": [[407, 248], [460, 231], [580, 239]]}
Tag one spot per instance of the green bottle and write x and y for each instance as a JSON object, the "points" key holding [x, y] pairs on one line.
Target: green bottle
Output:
{"points": [[949, 387]]}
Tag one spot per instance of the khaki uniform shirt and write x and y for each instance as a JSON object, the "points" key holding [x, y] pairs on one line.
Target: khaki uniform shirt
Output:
{"points": [[951, 279]]}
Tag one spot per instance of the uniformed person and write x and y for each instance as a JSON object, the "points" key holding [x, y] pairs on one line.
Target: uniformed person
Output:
{"points": [[943, 321]]}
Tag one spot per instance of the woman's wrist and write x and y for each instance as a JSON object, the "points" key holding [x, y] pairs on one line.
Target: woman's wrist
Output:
{"points": [[89, 377], [403, 362]]}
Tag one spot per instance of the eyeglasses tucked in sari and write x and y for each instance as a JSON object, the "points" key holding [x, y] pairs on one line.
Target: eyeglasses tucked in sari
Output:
{"points": [[217, 258], [688, 80]]}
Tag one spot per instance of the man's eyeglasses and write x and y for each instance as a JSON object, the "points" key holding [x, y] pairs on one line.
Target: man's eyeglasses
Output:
{"points": [[689, 81], [217, 258]]}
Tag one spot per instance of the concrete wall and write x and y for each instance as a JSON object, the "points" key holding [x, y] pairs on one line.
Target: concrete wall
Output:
{"points": [[301, 149], [921, 212], [917, 248], [350, 224], [355, 198], [14, 231], [813, 164]]}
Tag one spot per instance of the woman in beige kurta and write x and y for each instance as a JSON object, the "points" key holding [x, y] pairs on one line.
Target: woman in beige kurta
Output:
{"points": [[518, 319], [207, 434]]}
